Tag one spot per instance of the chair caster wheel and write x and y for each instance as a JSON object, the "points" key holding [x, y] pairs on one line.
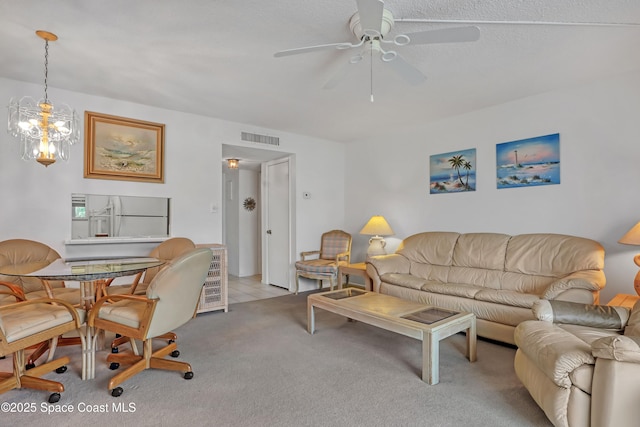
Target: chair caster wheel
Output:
{"points": [[114, 350], [188, 375], [175, 353], [61, 370], [116, 391], [29, 366], [171, 341], [113, 366], [54, 397], [118, 335]]}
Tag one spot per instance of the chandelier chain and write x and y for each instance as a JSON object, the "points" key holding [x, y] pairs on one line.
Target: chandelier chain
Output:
{"points": [[46, 69]]}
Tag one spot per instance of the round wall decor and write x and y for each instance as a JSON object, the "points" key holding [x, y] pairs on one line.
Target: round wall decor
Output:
{"points": [[249, 204]]}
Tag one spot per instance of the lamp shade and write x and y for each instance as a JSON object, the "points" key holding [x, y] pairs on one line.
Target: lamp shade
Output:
{"points": [[632, 237], [377, 226]]}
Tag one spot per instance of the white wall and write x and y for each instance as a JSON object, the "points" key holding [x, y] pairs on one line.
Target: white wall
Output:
{"points": [[232, 220], [249, 186], [36, 201], [599, 130]]}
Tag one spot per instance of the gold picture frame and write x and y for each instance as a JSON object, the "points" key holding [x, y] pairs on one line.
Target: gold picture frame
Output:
{"points": [[123, 149]]}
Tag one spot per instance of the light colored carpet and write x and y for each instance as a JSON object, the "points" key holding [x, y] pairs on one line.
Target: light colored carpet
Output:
{"points": [[257, 366]]}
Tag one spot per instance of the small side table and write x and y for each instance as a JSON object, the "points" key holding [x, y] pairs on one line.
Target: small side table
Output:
{"points": [[624, 300], [358, 269]]}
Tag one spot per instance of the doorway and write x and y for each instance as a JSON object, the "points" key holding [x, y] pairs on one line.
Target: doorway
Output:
{"points": [[274, 213]]}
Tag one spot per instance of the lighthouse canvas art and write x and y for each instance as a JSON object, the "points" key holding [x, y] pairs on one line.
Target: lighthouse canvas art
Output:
{"points": [[528, 162]]}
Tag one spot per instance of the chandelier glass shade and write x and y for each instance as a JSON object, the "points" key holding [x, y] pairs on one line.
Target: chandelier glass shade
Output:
{"points": [[45, 132]]}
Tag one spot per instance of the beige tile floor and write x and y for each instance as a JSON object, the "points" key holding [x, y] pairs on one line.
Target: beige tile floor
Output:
{"points": [[243, 289]]}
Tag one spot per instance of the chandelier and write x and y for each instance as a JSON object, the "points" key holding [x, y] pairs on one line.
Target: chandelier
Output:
{"points": [[45, 133]]}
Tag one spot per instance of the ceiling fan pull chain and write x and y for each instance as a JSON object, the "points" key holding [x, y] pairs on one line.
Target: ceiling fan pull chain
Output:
{"points": [[371, 55]]}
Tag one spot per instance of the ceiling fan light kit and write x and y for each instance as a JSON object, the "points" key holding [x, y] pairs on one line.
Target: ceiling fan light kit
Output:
{"points": [[370, 24]]}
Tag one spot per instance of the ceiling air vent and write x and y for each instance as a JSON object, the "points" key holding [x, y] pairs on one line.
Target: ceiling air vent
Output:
{"points": [[260, 139]]}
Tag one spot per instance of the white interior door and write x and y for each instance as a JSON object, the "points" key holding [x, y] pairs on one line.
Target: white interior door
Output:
{"points": [[277, 223]]}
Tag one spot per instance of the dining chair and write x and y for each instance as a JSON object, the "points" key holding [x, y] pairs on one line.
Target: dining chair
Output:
{"points": [[23, 324], [165, 251], [27, 256], [170, 301], [335, 250]]}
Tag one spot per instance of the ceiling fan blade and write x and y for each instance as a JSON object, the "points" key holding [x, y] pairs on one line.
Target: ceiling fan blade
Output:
{"points": [[445, 35], [299, 50], [370, 12], [407, 71]]}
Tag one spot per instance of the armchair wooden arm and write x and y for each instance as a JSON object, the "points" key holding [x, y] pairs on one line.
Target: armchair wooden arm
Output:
{"points": [[14, 290], [128, 331], [344, 256]]}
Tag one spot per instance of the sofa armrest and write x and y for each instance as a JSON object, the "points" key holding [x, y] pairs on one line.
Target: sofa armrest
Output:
{"points": [[590, 280], [393, 263], [573, 313], [382, 264], [621, 348], [554, 351]]}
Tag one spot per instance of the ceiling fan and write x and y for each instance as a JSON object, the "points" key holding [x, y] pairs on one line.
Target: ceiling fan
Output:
{"points": [[370, 24]]}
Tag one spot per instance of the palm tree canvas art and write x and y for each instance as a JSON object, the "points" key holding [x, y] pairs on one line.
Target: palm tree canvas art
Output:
{"points": [[528, 162], [453, 172]]}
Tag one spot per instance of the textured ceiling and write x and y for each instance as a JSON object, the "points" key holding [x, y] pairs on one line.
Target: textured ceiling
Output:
{"points": [[215, 58]]}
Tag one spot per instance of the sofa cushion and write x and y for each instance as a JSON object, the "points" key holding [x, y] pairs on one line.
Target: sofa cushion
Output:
{"points": [[434, 247], [597, 316], [475, 276], [454, 289], [553, 255], [404, 280], [481, 250], [438, 273], [513, 298], [525, 283]]}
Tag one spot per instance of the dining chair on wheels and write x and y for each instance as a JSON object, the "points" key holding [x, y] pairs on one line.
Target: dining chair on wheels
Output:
{"points": [[335, 250], [170, 301], [166, 251], [26, 323], [26, 256]]}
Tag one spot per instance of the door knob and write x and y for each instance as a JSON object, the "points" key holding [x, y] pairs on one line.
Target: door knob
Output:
{"points": [[268, 231]]}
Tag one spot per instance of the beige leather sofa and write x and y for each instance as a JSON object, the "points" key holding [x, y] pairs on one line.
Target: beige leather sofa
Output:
{"points": [[496, 276], [581, 364]]}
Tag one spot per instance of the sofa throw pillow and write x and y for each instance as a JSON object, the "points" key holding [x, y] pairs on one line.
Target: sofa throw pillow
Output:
{"points": [[573, 313]]}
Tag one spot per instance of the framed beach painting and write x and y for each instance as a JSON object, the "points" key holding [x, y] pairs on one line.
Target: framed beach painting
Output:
{"points": [[453, 172], [122, 148], [528, 162]]}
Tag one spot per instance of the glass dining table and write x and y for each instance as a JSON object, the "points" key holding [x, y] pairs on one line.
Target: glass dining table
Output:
{"points": [[90, 274]]}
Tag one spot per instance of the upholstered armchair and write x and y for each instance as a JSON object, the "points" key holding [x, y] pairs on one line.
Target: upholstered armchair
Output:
{"points": [[170, 301], [581, 363], [24, 324], [335, 250]]}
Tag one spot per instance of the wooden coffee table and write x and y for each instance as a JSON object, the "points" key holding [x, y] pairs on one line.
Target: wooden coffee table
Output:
{"points": [[423, 322]]}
